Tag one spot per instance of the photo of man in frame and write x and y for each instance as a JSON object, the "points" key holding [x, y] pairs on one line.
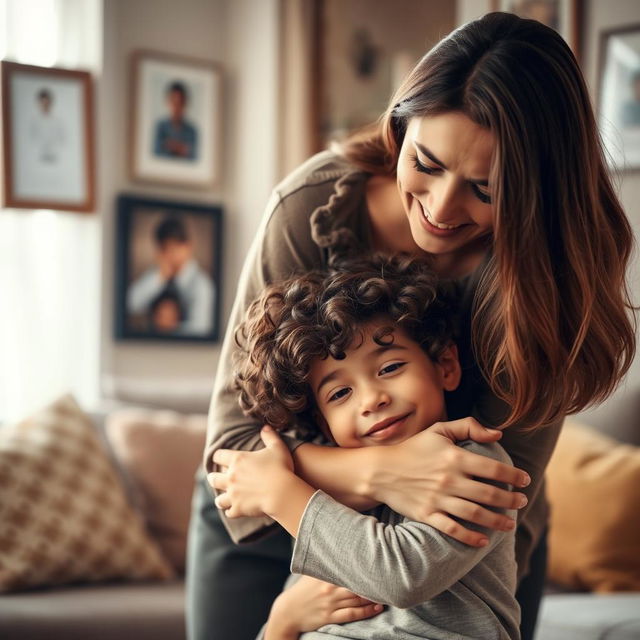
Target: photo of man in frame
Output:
{"points": [[173, 294]]}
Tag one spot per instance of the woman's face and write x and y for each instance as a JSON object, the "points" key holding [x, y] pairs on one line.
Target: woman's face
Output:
{"points": [[443, 178]]}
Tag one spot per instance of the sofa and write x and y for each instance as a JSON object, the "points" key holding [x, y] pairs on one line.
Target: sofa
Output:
{"points": [[144, 460]]}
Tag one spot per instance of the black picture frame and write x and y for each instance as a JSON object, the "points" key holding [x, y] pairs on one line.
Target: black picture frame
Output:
{"points": [[168, 270]]}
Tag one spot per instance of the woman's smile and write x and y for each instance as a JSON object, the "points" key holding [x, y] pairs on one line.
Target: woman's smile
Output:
{"points": [[443, 181], [438, 228]]}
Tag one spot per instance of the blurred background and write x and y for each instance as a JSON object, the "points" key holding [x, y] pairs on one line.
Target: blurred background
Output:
{"points": [[295, 74]]}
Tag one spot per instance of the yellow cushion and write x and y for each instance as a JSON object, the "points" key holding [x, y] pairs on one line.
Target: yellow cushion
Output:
{"points": [[63, 514], [594, 491]]}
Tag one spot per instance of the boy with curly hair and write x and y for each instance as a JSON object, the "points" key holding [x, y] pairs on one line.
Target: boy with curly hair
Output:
{"points": [[366, 353]]}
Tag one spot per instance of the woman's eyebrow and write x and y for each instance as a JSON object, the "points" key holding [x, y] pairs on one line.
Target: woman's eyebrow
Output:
{"points": [[429, 154], [482, 182]]}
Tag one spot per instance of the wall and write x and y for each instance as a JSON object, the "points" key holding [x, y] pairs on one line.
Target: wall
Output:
{"points": [[624, 405], [397, 33], [242, 37]]}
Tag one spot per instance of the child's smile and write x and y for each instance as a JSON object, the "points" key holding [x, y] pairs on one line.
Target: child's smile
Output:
{"points": [[382, 393]]}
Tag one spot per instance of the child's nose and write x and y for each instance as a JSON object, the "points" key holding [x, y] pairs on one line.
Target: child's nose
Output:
{"points": [[375, 400]]}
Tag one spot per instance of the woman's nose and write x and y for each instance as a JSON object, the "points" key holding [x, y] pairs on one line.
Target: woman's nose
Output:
{"points": [[443, 201]]}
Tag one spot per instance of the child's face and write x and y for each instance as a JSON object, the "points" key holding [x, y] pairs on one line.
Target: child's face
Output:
{"points": [[382, 395]]}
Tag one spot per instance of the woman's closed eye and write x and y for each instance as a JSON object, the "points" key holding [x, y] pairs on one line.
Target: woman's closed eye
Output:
{"points": [[391, 368], [483, 196], [423, 168]]}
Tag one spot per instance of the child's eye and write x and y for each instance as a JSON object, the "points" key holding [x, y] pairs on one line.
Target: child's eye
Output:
{"points": [[390, 368], [423, 168], [339, 394]]}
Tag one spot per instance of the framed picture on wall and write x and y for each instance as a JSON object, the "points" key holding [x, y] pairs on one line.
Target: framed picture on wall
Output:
{"points": [[565, 16], [47, 138], [175, 120], [167, 270], [619, 96]]}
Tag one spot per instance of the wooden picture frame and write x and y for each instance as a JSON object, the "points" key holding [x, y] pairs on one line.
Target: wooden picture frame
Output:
{"points": [[175, 124], [48, 149], [168, 279], [619, 96], [565, 16]]}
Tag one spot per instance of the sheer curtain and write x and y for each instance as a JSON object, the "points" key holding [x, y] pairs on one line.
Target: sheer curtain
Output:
{"points": [[49, 260]]}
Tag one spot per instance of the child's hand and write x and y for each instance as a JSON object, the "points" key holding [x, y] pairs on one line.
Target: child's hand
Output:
{"points": [[310, 604], [250, 478]]}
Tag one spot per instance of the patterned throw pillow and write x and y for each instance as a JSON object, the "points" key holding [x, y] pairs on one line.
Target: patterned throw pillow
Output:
{"points": [[64, 516]]}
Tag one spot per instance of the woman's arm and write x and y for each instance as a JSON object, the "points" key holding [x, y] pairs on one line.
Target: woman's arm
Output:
{"points": [[426, 478], [401, 563], [433, 492]]}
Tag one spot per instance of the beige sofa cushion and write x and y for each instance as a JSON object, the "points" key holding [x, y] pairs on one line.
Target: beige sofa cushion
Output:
{"points": [[594, 489], [63, 514], [160, 452]]}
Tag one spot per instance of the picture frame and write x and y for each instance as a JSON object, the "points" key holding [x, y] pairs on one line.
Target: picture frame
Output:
{"points": [[565, 16], [619, 96], [175, 125], [48, 153], [168, 279]]}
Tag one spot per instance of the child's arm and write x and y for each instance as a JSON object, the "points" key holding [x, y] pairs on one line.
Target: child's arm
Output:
{"points": [[309, 604], [398, 564], [401, 563], [263, 482]]}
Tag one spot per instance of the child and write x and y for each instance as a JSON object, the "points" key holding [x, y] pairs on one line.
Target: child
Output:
{"points": [[366, 353]]}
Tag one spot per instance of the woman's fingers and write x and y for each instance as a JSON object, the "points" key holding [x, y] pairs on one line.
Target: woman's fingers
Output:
{"points": [[466, 429], [445, 524], [474, 464], [486, 494], [477, 514]]}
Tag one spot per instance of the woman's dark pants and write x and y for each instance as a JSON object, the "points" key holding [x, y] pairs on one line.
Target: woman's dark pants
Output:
{"points": [[230, 587]]}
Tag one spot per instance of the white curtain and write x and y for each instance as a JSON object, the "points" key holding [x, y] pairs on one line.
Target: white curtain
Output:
{"points": [[49, 260]]}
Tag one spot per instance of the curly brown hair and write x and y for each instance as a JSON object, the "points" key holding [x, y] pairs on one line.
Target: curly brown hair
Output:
{"points": [[320, 314]]}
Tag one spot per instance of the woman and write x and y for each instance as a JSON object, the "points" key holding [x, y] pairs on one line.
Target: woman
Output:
{"points": [[488, 161]]}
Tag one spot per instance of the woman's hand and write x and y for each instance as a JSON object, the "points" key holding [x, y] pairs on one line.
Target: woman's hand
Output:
{"points": [[429, 479], [249, 479], [310, 604]]}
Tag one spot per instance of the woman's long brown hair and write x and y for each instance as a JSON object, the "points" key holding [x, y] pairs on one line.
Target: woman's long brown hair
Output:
{"points": [[553, 324]]}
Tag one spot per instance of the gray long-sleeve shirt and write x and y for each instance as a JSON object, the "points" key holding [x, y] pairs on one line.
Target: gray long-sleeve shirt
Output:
{"points": [[434, 586]]}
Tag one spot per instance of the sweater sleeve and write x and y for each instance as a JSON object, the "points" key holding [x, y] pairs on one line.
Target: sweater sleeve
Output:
{"points": [[400, 563]]}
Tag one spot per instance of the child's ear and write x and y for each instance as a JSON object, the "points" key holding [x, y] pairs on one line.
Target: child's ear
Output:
{"points": [[450, 367]]}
